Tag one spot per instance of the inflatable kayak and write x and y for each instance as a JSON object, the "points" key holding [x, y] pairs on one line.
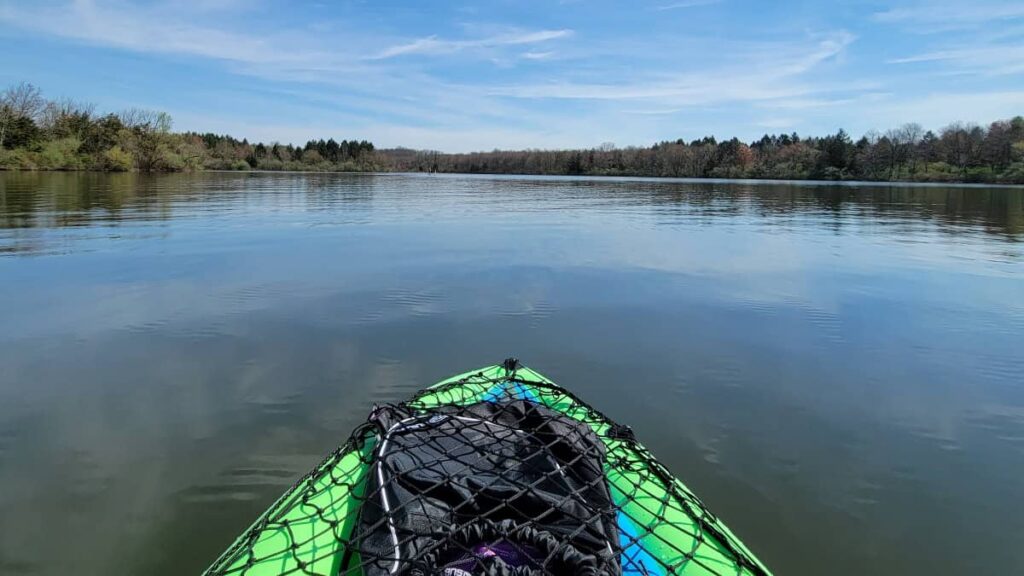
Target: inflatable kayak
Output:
{"points": [[496, 471]]}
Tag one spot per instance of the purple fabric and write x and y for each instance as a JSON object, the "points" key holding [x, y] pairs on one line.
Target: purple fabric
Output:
{"points": [[514, 555]]}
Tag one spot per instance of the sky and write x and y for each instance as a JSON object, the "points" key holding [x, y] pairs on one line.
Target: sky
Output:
{"points": [[459, 76]]}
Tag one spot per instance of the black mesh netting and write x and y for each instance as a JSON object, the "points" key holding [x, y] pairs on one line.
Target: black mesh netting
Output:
{"points": [[494, 473], [501, 485]]}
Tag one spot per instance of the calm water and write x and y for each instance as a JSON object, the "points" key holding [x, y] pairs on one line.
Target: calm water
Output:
{"points": [[838, 371]]}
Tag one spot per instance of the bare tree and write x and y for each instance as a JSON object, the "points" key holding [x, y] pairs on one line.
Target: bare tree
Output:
{"points": [[146, 120], [904, 141], [997, 150], [16, 102], [147, 137], [66, 117], [962, 143]]}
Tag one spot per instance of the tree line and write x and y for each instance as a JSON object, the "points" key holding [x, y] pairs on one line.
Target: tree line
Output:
{"points": [[957, 153], [228, 153], [41, 134], [36, 133]]}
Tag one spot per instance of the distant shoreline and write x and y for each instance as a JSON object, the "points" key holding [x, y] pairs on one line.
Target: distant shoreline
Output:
{"points": [[62, 135], [556, 177]]}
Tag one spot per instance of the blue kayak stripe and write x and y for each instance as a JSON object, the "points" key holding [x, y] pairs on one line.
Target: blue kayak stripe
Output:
{"points": [[495, 393], [525, 393], [635, 560], [502, 391]]}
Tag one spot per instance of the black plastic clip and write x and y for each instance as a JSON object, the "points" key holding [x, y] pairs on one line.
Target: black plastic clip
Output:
{"points": [[510, 365], [621, 432]]}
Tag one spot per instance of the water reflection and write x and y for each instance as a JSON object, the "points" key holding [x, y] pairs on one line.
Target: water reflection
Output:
{"points": [[46, 200], [836, 370]]}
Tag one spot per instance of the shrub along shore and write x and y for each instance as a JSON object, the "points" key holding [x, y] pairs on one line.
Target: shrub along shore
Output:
{"points": [[41, 134]]}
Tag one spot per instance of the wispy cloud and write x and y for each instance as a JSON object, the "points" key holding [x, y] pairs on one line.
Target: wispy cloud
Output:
{"points": [[654, 111], [210, 5], [996, 60], [168, 28], [157, 29], [976, 38], [803, 103], [951, 15], [538, 55], [435, 45], [686, 4], [749, 81]]}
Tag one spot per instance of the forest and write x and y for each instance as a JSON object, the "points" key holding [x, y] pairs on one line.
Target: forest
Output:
{"points": [[41, 134], [957, 153]]}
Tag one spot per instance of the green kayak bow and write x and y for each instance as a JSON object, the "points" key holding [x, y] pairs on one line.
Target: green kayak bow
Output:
{"points": [[494, 471]]}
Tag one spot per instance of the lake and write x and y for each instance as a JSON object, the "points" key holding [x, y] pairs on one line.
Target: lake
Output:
{"points": [[837, 370]]}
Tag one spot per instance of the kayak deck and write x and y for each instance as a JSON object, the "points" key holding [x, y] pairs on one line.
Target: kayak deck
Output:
{"points": [[663, 528]]}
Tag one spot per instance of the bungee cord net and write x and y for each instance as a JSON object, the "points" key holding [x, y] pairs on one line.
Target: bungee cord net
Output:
{"points": [[498, 472]]}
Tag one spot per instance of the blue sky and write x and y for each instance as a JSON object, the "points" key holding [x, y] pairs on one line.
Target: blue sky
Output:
{"points": [[459, 76]]}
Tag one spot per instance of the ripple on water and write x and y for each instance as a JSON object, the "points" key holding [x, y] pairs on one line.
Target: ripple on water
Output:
{"points": [[370, 315], [261, 477], [88, 477], [228, 492], [761, 307], [1002, 423], [207, 331], [937, 438], [722, 371], [785, 465], [146, 327], [275, 406], [418, 303], [827, 323], [867, 493], [242, 299], [1001, 367], [391, 381], [260, 473], [534, 309]]}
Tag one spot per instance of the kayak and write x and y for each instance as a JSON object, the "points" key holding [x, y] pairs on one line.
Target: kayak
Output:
{"points": [[494, 471]]}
